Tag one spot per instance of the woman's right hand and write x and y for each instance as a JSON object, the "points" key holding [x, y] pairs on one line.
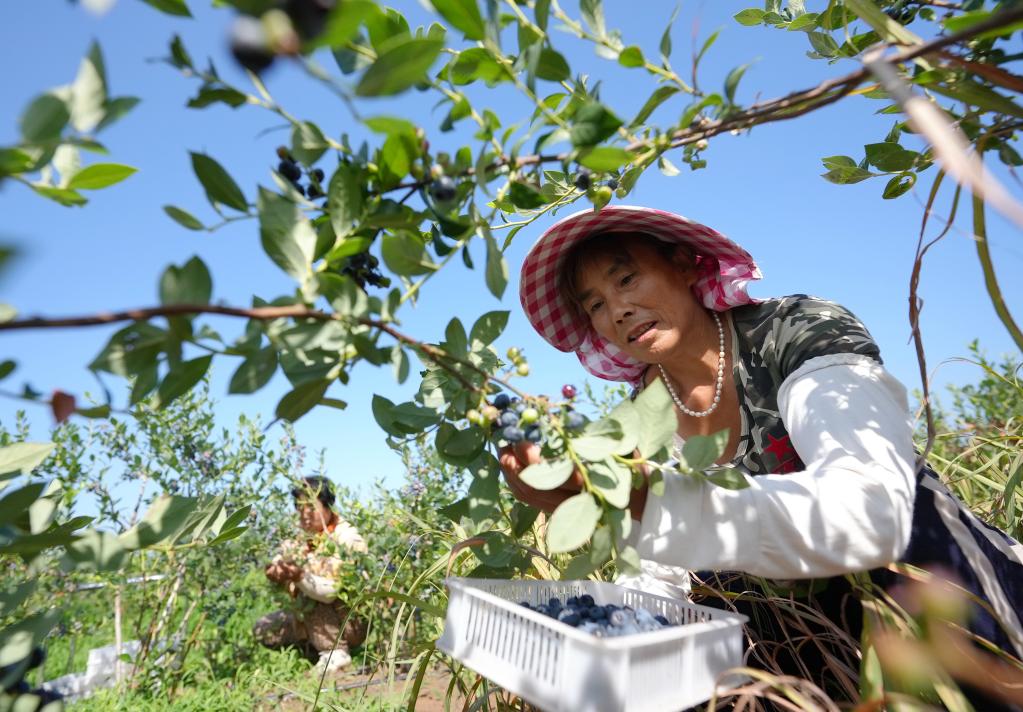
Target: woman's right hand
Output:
{"points": [[516, 458]]}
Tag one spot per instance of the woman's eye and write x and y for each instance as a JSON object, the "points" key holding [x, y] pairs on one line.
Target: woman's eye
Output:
{"points": [[595, 306], [627, 279]]}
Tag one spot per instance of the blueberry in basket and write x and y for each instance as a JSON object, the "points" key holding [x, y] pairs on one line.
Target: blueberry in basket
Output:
{"points": [[607, 621]]}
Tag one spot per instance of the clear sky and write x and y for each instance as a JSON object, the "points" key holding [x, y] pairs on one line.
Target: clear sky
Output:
{"points": [[762, 189]]}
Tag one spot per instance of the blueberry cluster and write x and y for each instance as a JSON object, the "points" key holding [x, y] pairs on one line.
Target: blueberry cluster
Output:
{"points": [[516, 420], [282, 29], [21, 690], [362, 267], [607, 621], [293, 172]]}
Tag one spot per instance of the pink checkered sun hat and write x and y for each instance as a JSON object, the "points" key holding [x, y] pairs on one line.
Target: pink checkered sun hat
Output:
{"points": [[724, 269]]}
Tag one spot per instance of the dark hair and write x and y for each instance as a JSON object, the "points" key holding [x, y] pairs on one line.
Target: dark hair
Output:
{"points": [[607, 244], [316, 487]]}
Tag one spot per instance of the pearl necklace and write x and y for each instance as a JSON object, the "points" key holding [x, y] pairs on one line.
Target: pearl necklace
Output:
{"points": [[718, 385]]}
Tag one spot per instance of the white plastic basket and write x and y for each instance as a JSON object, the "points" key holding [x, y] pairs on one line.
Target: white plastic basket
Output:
{"points": [[561, 669]]}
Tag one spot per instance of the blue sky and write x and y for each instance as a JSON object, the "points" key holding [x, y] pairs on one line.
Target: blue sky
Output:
{"points": [[762, 189]]}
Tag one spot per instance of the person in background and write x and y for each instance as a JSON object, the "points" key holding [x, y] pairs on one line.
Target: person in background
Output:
{"points": [[308, 567]]}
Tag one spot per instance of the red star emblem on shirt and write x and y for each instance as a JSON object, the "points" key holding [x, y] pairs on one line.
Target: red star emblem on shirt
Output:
{"points": [[781, 448]]}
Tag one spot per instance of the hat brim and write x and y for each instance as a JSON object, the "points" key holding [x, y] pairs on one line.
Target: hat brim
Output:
{"points": [[722, 282]]}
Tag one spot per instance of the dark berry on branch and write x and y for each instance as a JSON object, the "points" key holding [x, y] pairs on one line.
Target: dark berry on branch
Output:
{"points": [[508, 418], [612, 183], [318, 175], [309, 16], [290, 170], [313, 192], [513, 434], [533, 434], [568, 391], [283, 154], [502, 401], [443, 190], [299, 188], [574, 421], [249, 44], [582, 179]]}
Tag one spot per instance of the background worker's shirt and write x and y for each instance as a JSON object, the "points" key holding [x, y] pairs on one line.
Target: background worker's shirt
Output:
{"points": [[322, 559]]}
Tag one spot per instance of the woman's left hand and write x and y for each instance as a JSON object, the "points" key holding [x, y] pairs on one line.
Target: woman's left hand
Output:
{"points": [[516, 458]]}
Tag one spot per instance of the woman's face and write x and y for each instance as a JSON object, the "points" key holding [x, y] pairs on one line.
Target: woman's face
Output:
{"points": [[313, 516], [643, 303]]}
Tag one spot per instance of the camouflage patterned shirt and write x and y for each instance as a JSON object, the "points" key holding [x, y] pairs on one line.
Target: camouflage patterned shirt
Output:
{"points": [[770, 340]]}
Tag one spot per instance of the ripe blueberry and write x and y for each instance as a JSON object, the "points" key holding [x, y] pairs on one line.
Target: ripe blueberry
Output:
{"points": [[586, 600], [612, 183], [443, 190], [508, 418], [317, 175], [574, 421], [513, 434], [502, 401], [582, 179], [290, 170], [533, 434]]}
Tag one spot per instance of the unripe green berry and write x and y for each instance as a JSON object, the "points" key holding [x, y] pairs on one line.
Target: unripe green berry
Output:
{"points": [[529, 415], [522, 369]]}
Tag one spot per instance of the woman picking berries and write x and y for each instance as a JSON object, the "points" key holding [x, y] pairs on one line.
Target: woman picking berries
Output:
{"points": [[817, 425]]}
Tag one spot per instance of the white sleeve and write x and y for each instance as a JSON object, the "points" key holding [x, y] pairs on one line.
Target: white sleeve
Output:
{"points": [[318, 588], [850, 510]]}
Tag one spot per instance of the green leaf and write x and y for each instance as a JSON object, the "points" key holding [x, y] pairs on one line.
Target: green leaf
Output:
{"points": [[19, 639], [308, 144], [823, 44], [188, 284], [218, 184], [405, 254], [732, 81], [592, 123], [613, 480], [890, 157], [486, 329], [975, 94], [525, 196], [7, 367], [702, 451], [301, 400], [402, 62], [213, 95], [667, 167], [497, 268], [177, 8], [23, 457], [475, 63], [846, 174], [631, 57], [592, 12], [181, 378], [665, 46], [131, 350], [729, 478], [254, 372], [660, 95], [15, 505], [44, 119], [749, 17], [97, 551], [344, 199], [183, 218], [899, 185], [164, 518], [88, 97], [628, 561], [548, 474], [463, 15], [459, 447], [572, 523], [65, 197], [11, 599], [598, 440], [286, 234], [604, 159], [179, 56], [657, 418], [804, 22], [552, 66]]}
